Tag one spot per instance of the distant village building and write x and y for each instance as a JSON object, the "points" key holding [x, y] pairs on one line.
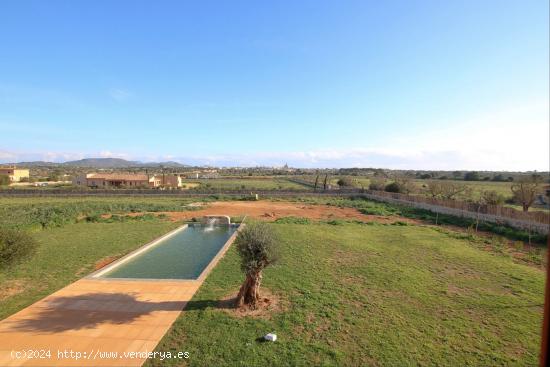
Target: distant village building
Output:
{"points": [[15, 174], [109, 180], [204, 174]]}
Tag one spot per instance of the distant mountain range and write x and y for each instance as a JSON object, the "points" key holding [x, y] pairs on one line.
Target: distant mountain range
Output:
{"points": [[102, 163]]}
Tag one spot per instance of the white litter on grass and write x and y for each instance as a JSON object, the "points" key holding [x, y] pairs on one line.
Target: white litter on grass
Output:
{"points": [[271, 337]]}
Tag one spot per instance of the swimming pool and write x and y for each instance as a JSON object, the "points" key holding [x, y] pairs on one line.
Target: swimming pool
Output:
{"points": [[182, 254]]}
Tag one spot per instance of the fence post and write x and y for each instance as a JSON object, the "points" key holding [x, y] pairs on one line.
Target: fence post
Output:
{"points": [[477, 217]]}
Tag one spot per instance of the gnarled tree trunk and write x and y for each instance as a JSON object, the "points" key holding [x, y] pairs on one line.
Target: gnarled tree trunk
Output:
{"points": [[249, 294]]}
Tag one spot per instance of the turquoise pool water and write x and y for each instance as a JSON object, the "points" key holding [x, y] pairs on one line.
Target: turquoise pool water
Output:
{"points": [[183, 255]]}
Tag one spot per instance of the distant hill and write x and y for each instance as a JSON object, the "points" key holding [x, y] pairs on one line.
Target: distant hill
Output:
{"points": [[33, 164], [117, 163], [102, 163]]}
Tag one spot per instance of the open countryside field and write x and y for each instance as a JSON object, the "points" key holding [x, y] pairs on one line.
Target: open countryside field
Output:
{"points": [[357, 295], [268, 183], [357, 284], [421, 187], [475, 186], [46, 212]]}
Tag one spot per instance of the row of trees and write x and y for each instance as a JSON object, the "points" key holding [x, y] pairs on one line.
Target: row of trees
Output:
{"points": [[524, 190], [468, 176]]}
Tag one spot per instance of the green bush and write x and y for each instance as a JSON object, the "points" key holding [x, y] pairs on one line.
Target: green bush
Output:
{"points": [[15, 246], [345, 181], [393, 187], [377, 184]]}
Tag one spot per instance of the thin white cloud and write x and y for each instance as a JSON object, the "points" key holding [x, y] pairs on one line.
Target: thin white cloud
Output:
{"points": [[120, 94], [6, 156], [109, 154], [385, 158]]}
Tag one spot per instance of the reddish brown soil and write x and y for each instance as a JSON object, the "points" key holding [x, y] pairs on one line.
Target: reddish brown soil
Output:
{"points": [[269, 211]]}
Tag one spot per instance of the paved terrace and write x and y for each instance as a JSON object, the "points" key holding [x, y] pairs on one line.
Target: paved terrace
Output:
{"points": [[95, 315]]}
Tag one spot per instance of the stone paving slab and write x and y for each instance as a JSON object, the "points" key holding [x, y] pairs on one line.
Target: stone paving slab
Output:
{"points": [[93, 315]]}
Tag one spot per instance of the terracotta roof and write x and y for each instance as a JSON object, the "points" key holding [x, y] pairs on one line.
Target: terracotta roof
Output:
{"points": [[117, 177]]}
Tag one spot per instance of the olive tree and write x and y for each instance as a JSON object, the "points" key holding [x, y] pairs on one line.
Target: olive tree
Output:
{"points": [[257, 246]]}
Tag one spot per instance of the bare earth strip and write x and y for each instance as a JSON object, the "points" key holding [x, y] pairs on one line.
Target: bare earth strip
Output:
{"points": [[268, 210]]}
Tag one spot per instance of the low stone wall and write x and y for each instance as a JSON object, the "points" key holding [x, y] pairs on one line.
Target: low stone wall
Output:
{"points": [[515, 223]]}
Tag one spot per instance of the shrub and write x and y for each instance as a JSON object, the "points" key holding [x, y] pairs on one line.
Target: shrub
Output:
{"points": [[15, 246], [393, 187], [377, 184], [345, 181]]}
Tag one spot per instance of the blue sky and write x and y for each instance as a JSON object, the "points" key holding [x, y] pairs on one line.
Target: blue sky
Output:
{"points": [[397, 84]]}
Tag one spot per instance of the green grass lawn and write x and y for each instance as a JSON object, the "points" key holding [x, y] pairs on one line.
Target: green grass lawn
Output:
{"points": [[371, 295], [68, 253]]}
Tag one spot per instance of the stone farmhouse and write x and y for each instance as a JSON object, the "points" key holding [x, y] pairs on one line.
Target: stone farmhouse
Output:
{"points": [[14, 174], [110, 180]]}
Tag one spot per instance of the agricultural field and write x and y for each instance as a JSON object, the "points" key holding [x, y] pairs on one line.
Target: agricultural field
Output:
{"points": [[47, 212], [268, 183]]}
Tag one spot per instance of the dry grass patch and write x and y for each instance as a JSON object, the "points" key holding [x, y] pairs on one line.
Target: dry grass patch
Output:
{"points": [[12, 287]]}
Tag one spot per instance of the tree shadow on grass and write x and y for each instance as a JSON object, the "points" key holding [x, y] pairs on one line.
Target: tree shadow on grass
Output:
{"points": [[86, 311], [227, 304]]}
